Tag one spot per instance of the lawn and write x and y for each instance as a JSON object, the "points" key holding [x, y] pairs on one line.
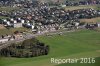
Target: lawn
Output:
{"points": [[83, 43]]}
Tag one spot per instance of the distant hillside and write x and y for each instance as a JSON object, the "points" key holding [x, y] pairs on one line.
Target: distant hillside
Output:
{"points": [[60, 0], [45, 0]]}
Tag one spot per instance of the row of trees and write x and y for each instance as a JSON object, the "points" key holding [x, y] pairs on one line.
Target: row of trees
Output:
{"points": [[28, 48]]}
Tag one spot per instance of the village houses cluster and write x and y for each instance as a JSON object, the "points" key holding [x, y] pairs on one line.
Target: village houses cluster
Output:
{"points": [[43, 18]]}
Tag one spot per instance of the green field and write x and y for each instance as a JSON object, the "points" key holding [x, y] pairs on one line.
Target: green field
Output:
{"points": [[79, 44]]}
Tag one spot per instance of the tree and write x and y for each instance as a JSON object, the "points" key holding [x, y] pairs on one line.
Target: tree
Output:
{"points": [[28, 48]]}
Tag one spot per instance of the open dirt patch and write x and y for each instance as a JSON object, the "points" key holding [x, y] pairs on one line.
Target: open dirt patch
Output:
{"points": [[97, 50], [2, 27]]}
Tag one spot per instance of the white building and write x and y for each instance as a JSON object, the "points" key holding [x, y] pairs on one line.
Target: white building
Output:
{"points": [[99, 25], [3, 40], [17, 25]]}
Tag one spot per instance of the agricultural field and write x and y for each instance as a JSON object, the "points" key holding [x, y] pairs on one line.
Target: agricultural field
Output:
{"points": [[92, 20], [80, 7], [97, 7], [3, 17], [78, 44], [4, 31], [8, 9]]}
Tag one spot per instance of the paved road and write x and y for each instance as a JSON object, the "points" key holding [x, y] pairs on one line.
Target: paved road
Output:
{"points": [[29, 36]]}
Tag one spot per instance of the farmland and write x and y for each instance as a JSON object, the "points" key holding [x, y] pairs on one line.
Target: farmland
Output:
{"points": [[92, 20], [5, 31], [83, 43], [9, 9], [80, 7]]}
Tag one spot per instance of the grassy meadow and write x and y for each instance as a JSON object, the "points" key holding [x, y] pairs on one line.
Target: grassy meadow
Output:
{"points": [[78, 44]]}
